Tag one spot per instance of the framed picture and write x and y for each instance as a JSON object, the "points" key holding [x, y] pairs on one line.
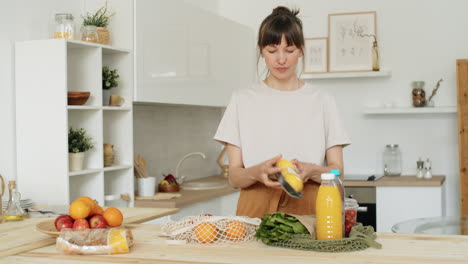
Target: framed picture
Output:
{"points": [[315, 55], [351, 36]]}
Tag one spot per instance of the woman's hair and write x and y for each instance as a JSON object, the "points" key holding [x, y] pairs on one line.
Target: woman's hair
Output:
{"points": [[282, 21]]}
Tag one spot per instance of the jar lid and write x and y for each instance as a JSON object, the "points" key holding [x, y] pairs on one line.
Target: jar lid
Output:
{"points": [[327, 176], [392, 146], [418, 84], [63, 16]]}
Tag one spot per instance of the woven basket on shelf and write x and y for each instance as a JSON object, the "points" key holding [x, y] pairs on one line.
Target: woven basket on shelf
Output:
{"points": [[103, 36]]}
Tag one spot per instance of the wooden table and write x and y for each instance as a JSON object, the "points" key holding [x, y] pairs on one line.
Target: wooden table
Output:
{"points": [[22, 236], [151, 248]]}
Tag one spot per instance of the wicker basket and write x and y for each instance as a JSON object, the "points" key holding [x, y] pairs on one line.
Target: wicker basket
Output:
{"points": [[103, 36]]}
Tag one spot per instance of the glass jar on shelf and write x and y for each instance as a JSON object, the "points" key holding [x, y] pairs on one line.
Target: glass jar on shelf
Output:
{"points": [[64, 27], [89, 34], [392, 160], [419, 95]]}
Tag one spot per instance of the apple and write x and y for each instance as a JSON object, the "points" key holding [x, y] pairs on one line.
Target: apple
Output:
{"points": [[97, 221], [64, 223], [80, 224], [171, 179], [61, 217]]}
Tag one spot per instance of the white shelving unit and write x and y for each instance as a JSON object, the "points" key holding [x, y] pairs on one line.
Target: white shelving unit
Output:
{"points": [[339, 75], [45, 71], [410, 110]]}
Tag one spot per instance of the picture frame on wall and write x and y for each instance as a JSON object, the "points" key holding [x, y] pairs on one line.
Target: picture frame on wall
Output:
{"points": [[316, 55], [351, 36]]}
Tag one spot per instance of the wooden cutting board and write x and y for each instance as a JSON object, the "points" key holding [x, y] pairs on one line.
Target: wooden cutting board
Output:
{"points": [[22, 236]]}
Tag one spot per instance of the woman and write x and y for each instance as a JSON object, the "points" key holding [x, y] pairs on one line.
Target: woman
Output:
{"points": [[280, 117]]}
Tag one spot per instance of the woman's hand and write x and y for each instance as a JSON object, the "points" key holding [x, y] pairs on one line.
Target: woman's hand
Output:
{"points": [[266, 172], [308, 171]]}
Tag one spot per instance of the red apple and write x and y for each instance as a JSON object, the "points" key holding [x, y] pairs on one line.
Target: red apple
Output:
{"points": [[97, 221], [61, 217], [64, 223], [80, 224]]}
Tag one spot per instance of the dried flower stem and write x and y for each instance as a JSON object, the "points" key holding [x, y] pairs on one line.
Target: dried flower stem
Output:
{"points": [[434, 91]]}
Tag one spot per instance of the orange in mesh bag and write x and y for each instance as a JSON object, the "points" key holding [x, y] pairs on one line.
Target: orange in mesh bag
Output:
{"points": [[211, 229]]}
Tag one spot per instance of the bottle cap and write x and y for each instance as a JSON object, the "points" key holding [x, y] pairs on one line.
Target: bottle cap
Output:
{"points": [[327, 176], [336, 172]]}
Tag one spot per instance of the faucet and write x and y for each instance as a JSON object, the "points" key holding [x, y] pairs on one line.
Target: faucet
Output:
{"points": [[179, 179]]}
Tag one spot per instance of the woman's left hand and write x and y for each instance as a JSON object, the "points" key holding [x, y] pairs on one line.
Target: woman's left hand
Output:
{"points": [[308, 171]]}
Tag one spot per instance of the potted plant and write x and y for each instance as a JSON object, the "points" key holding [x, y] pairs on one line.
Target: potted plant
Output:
{"points": [[110, 79], [100, 19], [78, 143]]}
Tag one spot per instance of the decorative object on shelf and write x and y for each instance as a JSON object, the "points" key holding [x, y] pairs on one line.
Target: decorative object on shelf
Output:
{"points": [[420, 169], [419, 95], [392, 160], [116, 100], [430, 102], [315, 55], [64, 27], [89, 34], [349, 48], [100, 19], [110, 79], [108, 155], [78, 143], [428, 169], [77, 98], [224, 167]]}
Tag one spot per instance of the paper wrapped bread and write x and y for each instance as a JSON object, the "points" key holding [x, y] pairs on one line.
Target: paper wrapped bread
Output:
{"points": [[95, 241]]}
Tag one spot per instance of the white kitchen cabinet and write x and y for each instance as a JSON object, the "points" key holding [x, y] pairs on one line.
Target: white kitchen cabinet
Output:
{"points": [[397, 204], [188, 55], [45, 71], [223, 206]]}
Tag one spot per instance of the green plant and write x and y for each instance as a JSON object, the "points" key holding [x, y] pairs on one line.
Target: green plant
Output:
{"points": [[99, 19], [110, 78], [78, 141]]}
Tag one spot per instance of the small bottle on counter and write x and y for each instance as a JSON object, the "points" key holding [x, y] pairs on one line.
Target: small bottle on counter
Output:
{"points": [[428, 168], [13, 212]]}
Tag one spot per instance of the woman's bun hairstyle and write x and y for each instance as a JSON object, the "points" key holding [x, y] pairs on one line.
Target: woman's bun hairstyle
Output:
{"points": [[281, 22]]}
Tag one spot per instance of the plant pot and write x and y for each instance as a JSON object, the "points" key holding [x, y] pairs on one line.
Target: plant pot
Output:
{"points": [[103, 36], [75, 161], [105, 97]]}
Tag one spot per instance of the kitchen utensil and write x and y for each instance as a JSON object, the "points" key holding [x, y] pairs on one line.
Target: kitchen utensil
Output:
{"points": [[287, 188]]}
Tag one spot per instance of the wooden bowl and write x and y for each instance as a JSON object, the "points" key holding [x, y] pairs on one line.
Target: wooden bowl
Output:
{"points": [[78, 98], [168, 188]]}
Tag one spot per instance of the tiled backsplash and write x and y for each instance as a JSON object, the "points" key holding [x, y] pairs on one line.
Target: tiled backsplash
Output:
{"points": [[163, 134]]}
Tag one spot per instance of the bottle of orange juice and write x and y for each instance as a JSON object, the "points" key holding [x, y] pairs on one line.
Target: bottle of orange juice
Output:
{"points": [[329, 218]]}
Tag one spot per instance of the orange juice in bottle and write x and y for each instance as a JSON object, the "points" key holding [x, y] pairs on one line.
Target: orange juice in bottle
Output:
{"points": [[329, 218]]}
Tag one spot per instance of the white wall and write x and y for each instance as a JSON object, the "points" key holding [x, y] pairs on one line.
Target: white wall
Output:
{"points": [[419, 40]]}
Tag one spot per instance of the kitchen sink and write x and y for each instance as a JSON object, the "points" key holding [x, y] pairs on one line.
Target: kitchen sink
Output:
{"points": [[203, 185]]}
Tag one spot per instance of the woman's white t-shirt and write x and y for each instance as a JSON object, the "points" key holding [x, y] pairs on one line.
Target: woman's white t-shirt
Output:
{"points": [[264, 122]]}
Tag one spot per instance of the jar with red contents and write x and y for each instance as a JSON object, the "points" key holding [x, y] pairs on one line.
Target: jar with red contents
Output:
{"points": [[351, 207]]}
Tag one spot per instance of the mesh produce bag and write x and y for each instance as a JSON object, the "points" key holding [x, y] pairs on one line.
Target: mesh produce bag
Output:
{"points": [[360, 238], [211, 229]]}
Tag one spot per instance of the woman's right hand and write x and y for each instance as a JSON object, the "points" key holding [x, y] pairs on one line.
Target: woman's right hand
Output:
{"points": [[267, 170]]}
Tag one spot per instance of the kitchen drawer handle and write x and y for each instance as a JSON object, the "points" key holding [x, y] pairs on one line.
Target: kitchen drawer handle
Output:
{"points": [[362, 209]]}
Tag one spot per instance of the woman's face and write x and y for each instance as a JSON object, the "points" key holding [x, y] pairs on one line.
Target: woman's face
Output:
{"points": [[281, 60]]}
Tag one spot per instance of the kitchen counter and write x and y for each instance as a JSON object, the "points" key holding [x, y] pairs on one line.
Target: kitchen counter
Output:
{"points": [[150, 247], [22, 236], [398, 181], [189, 197]]}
